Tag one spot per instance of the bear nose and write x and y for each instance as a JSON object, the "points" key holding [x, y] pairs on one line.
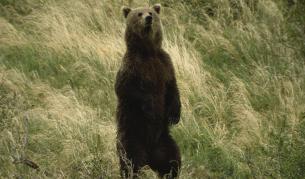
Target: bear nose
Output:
{"points": [[148, 19]]}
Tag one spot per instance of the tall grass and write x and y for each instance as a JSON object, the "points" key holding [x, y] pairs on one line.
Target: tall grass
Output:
{"points": [[240, 69]]}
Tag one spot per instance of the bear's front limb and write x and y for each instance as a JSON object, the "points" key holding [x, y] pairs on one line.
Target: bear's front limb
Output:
{"points": [[172, 102], [165, 158], [132, 157]]}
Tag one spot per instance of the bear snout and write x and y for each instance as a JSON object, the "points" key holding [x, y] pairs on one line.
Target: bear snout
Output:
{"points": [[148, 19]]}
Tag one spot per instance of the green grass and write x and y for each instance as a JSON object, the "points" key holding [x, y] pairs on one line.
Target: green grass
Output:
{"points": [[240, 69]]}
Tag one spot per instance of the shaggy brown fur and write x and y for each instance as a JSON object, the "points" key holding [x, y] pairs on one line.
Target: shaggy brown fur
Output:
{"points": [[148, 99]]}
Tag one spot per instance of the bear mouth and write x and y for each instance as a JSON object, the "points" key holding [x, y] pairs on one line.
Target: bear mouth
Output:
{"points": [[148, 28], [148, 23]]}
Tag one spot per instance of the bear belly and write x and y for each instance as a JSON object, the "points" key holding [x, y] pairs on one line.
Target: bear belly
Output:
{"points": [[134, 123], [138, 128]]}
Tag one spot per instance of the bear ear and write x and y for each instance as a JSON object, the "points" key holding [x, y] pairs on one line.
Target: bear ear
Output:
{"points": [[126, 11], [157, 8]]}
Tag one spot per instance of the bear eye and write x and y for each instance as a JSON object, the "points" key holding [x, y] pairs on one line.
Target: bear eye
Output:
{"points": [[150, 13], [140, 14]]}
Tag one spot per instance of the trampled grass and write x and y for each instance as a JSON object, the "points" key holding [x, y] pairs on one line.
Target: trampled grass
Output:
{"points": [[239, 65]]}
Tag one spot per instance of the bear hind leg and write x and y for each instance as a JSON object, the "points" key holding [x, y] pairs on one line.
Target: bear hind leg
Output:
{"points": [[165, 158], [132, 159]]}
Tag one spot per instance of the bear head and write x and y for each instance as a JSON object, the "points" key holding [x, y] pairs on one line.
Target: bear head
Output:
{"points": [[143, 27]]}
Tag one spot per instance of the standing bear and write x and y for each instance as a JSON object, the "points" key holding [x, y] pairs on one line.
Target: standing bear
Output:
{"points": [[148, 98]]}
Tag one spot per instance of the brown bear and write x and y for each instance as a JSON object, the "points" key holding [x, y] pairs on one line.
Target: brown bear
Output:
{"points": [[148, 98]]}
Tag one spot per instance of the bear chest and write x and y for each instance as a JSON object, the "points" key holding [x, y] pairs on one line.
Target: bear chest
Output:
{"points": [[154, 76]]}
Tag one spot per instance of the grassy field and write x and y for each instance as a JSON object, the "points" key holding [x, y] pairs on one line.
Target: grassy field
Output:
{"points": [[240, 68]]}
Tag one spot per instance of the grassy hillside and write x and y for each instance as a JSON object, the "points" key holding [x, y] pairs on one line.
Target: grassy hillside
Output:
{"points": [[240, 69]]}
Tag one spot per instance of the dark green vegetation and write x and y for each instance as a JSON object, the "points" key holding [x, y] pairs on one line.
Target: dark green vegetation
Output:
{"points": [[240, 67]]}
